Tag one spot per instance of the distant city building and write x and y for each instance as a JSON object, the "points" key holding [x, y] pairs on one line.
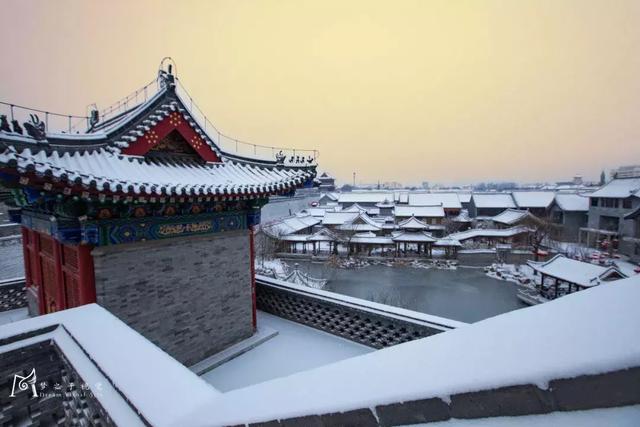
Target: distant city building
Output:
{"points": [[392, 185]]}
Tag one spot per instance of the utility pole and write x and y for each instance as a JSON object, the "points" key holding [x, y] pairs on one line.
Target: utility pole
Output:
{"points": [[354, 179]]}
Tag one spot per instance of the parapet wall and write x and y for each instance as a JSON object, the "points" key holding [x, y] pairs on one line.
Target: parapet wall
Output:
{"points": [[61, 396], [371, 324], [12, 294], [612, 389]]}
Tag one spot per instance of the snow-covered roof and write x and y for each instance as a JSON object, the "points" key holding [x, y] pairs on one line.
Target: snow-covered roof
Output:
{"points": [[619, 188], [412, 224], [370, 238], [512, 349], [290, 225], [463, 216], [386, 203], [362, 222], [446, 200], [295, 238], [533, 199], [357, 208], [464, 197], [330, 196], [572, 202], [418, 211], [488, 232], [510, 216], [493, 200], [323, 235], [354, 208], [338, 218], [401, 197], [111, 172], [363, 196], [413, 236], [580, 273], [317, 212]]}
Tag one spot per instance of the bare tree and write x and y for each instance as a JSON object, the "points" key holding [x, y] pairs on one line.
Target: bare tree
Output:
{"points": [[542, 229]]}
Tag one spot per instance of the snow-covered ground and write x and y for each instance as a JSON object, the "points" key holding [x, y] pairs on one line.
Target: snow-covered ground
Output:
{"points": [[296, 348], [627, 416], [11, 264], [13, 315]]}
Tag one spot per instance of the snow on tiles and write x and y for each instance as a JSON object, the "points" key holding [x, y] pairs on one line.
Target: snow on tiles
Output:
{"points": [[533, 199]]}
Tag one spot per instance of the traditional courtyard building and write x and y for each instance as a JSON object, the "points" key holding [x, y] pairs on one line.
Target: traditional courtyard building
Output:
{"points": [[511, 217], [570, 211], [327, 182], [610, 222], [366, 199], [450, 202], [145, 214], [536, 202], [561, 275], [386, 207], [490, 204], [412, 234]]}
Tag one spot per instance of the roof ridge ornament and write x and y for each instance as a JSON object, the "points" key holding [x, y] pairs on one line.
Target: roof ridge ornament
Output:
{"points": [[167, 78], [35, 128]]}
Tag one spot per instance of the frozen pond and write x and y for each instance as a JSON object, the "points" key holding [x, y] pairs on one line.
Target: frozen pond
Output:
{"points": [[465, 294]]}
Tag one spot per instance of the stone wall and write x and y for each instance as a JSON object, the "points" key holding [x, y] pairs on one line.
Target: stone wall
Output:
{"points": [[369, 326], [190, 296]]}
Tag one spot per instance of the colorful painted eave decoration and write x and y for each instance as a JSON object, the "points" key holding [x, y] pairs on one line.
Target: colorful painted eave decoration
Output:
{"points": [[174, 121], [114, 232]]}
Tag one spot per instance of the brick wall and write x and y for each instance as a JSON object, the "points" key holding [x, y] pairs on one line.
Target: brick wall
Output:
{"points": [[190, 296]]}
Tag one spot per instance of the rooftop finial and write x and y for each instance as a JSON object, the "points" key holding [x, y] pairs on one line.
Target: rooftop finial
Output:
{"points": [[167, 77]]}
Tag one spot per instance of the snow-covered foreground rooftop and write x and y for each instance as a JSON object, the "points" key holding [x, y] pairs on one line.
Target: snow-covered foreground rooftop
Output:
{"points": [[296, 348], [627, 416], [585, 333], [574, 335]]}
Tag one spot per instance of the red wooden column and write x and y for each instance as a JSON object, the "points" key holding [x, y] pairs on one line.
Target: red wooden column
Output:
{"points": [[60, 296], [86, 276], [252, 260]]}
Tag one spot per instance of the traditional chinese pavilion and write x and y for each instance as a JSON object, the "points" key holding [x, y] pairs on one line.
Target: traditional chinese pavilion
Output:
{"points": [[145, 213]]}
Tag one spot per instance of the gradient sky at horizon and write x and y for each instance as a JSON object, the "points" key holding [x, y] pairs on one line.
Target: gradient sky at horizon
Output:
{"points": [[410, 91]]}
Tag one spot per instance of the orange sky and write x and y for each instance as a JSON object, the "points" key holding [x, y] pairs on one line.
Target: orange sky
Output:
{"points": [[441, 91]]}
